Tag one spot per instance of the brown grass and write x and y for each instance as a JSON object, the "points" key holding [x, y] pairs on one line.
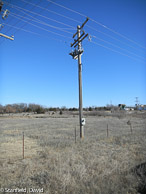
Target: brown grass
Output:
{"points": [[55, 163]]}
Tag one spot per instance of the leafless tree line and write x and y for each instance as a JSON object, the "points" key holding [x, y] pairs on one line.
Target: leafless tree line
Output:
{"points": [[21, 107]]}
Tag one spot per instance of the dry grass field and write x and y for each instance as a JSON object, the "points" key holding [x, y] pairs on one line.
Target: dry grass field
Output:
{"points": [[55, 164]]}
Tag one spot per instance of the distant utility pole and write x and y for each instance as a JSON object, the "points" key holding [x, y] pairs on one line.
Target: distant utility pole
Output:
{"points": [[4, 16], [137, 102], [76, 54]]}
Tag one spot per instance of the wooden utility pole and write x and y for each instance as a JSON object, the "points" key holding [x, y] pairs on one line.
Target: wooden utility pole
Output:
{"points": [[76, 54], [80, 85]]}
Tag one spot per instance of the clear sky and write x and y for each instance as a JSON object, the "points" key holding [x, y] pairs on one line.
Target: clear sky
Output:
{"points": [[36, 67]]}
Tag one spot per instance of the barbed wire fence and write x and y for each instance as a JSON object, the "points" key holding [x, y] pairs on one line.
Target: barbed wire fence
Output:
{"points": [[25, 138]]}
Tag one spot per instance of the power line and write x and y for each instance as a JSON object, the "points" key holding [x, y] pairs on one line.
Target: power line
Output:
{"points": [[56, 13], [77, 21], [19, 21], [113, 37], [117, 47], [115, 51], [22, 29], [119, 34], [18, 8], [71, 26], [28, 22], [10, 20], [35, 33], [37, 27], [8, 4], [67, 8], [86, 25], [39, 21]]}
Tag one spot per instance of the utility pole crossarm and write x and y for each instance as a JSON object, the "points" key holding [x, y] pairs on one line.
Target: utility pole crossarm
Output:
{"points": [[75, 34], [8, 37], [78, 39], [84, 23], [81, 39]]}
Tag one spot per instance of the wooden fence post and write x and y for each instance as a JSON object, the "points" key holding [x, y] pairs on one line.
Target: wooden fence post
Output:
{"points": [[129, 123], [75, 134], [131, 128], [23, 145], [107, 130]]}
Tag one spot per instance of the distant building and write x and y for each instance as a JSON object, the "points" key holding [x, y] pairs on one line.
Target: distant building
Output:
{"points": [[122, 106], [142, 107]]}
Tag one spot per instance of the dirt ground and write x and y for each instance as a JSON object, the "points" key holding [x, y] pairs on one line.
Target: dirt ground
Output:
{"points": [[110, 159]]}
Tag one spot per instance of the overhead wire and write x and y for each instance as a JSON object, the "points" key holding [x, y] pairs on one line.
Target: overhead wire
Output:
{"points": [[69, 27], [18, 7], [19, 21], [136, 59], [104, 26], [31, 19], [56, 13], [113, 37], [35, 33], [11, 20], [38, 21], [29, 31], [18, 28], [8, 4], [86, 25], [118, 47], [77, 21], [119, 34], [67, 8], [28, 22], [89, 26]]}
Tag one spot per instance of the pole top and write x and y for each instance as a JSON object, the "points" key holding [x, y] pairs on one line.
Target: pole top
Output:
{"points": [[78, 26]]}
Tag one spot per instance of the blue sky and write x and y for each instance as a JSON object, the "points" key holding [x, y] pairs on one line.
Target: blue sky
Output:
{"points": [[36, 67]]}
